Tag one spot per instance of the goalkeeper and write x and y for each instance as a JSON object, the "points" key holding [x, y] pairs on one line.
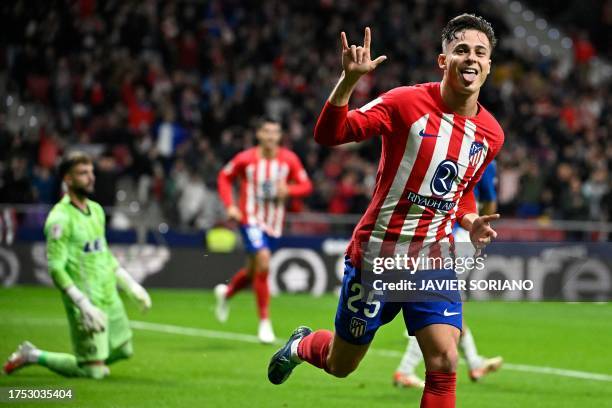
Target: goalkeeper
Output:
{"points": [[87, 274]]}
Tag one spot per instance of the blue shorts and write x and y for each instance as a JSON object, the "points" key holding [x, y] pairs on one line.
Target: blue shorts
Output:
{"points": [[255, 239], [358, 320]]}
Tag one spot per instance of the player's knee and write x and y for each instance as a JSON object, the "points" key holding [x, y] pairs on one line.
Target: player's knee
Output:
{"points": [[262, 261], [340, 370], [444, 359], [95, 371]]}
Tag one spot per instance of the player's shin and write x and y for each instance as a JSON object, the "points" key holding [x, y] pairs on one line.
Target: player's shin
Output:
{"points": [[468, 347], [262, 293], [405, 376], [411, 358], [238, 282], [439, 390], [314, 348], [66, 364]]}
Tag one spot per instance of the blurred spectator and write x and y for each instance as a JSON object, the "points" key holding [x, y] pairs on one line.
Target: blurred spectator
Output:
{"points": [[106, 180], [45, 185], [594, 190], [192, 197], [343, 199], [531, 184], [17, 186], [169, 135]]}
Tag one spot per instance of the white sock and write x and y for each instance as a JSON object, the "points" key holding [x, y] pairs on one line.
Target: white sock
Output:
{"points": [[294, 351], [33, 356], [468, 347], [411, 358]]}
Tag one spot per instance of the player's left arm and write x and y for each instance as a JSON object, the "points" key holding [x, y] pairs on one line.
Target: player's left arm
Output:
{"points": [[300, 184], [479, 227], [133, 288], [124, 280]]}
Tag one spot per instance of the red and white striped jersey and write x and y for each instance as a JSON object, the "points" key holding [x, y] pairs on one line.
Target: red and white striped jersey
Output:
{"points": [[259, 180], [431, 160]]}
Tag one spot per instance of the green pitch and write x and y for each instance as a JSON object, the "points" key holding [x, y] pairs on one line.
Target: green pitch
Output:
{"points": [[184, 358]]}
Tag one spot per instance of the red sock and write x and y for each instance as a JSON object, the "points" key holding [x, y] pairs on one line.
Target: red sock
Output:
{"points": [[239, 281], [262, 294], [439, 390], [315, 347]]}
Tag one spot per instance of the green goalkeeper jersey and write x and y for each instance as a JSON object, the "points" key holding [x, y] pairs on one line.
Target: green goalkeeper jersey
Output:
{"points": [[77, 251]]}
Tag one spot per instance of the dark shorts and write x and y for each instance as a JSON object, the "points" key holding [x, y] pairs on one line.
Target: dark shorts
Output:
{"points": [[255, 239], [357, 319]]}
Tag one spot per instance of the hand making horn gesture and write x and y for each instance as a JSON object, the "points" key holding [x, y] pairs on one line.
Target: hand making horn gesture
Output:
{"points": [[356, 60]]}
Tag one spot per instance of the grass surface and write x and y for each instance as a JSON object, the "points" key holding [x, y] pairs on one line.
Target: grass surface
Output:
{"points": [[195, 369]]}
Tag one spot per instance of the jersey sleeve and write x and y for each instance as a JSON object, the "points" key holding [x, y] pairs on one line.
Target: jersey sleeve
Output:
{"points": [[57, 234], [467, 202], [301, 184], [336, 125], [232, 169]]}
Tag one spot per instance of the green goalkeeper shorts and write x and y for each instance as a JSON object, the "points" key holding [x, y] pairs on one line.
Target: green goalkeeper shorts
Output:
{"points": [[97, 346]]}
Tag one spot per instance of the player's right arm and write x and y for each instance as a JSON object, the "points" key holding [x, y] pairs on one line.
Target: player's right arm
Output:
{"points": [[225, 179], [333, 127], [57, 236], [58, 239]]}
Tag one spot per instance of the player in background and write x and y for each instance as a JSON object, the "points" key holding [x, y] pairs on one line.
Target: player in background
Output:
{"points": [[87, 274], [478, 366], [269, 174], [436, 142]]}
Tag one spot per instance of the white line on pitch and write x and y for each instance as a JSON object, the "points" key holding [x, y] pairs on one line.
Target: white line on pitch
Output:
{"points": [[196, 332], [192, 331]]}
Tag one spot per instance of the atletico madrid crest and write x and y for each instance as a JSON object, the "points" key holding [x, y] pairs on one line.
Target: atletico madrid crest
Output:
{"points": [[358, 327], [477, 151]]}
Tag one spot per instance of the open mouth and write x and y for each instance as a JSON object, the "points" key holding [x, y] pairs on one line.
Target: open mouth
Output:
{"points": [[469, 74]]}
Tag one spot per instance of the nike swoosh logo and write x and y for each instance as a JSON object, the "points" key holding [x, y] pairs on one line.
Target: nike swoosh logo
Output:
{"points": [[447, 313], [423, 134]]}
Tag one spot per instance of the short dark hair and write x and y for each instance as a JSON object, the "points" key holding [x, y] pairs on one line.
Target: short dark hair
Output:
{"points": [[467, 22], [71, 159], [260, 122]]}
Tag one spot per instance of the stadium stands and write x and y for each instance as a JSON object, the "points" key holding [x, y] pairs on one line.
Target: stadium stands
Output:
{"points": [[165, 92]]}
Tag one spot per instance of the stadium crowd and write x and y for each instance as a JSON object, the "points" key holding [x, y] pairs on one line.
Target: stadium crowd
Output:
{"points": [[164, 93]]}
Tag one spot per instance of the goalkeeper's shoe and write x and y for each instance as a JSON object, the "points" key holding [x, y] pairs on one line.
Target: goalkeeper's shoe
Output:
{"points": [[23, 356], [222, 308], [402, 380], [282, 363], [489, 365]]}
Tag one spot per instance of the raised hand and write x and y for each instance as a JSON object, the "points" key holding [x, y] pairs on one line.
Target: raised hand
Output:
{"points": [[482, 232], [356, 60]]}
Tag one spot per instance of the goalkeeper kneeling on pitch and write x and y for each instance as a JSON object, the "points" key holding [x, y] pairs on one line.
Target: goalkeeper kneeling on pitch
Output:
{"points": [[87, 274]]}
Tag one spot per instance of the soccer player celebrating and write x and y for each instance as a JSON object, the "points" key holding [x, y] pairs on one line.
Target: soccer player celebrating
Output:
{"points": [[269, 174], [436, 142], [87, 274], [486, 195]]}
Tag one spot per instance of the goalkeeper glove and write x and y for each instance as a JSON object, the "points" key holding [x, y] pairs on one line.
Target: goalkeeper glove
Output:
{"points": [[92, 318], [130, 286]]}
